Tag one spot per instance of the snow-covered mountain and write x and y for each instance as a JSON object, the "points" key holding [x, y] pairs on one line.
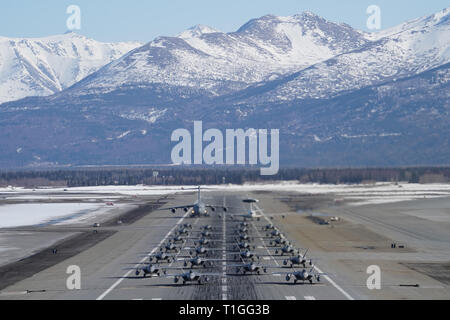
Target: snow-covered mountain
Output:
{"points": [[402, 51], [340, 97], [44, 66], [203, 58]]}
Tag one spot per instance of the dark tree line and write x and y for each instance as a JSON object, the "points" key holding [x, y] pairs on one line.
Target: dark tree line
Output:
{"points": [[179, 176]]}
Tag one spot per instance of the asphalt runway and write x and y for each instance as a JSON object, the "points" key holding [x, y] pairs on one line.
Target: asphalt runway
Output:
{"points": [[108, 268]]}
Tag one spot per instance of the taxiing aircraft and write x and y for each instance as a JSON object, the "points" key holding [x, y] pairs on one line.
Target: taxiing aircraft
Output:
{"points": [[302, 276], [192, 276], [197, 209]]}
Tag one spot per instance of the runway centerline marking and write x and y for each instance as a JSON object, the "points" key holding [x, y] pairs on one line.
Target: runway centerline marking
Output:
{"points": [[334, 284], [104, 294]]}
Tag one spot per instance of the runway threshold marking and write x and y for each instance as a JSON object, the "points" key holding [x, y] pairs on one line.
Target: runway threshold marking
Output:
{"points": [[104, 294], [334, 284], [290, 298], [310, 298]]}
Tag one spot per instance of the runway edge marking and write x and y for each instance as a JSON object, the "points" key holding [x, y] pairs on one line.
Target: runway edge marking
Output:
{"points": [[104, 294]]}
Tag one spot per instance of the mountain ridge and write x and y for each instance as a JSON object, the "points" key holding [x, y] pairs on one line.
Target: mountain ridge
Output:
{"points": [[356, 102]]}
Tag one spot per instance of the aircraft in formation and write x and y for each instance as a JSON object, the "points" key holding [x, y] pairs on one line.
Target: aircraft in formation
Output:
{"points": [[242, 255], [198, 208]]}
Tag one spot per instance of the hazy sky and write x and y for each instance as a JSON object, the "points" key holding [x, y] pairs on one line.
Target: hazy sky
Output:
{"points": [[143, 20]]}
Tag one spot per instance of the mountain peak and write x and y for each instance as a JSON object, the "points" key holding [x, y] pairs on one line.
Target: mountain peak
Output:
{"points": [[197, 31]]}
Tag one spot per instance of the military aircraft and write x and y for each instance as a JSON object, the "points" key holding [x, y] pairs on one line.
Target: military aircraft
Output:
{"points": [[251, 213], [275, 233], [302, 275], [268, 227], [244, 237], [298, 260], [205, 241], [149, 269], [288, 249], [201, 250], [244, 254], [247, 254], [242, 230], [244, 245], [192, 276], [206, 228], [207, 234], [170, 247], [197, 209], [178, 239], [182, 231], [161, 256], [251, 267], [279, 241], [200, 262]]}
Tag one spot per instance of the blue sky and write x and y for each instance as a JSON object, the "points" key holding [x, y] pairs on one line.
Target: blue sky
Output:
{"points": [[143, 20]]}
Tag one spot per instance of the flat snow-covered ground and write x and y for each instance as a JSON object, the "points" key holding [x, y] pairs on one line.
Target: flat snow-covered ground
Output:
{"points": [[13, 215]]}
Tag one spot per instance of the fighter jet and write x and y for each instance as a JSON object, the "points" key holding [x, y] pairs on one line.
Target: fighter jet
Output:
{"points": [[251, 267], [161, 256], [298, 260], [288, 249], [247, 254], [178, 239], [170, 247], [244, 237], [149, 269], [275, 233], [268, 227], [207, 234], [182, 231], [303, 275], [201, 250], [197, 209], [199, 262], [242, 230], [192, 276], [244, 245], [205, 241], [279, 241]]}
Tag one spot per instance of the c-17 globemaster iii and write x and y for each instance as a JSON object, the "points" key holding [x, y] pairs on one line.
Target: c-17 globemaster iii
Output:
{"points": [[198, 208]]}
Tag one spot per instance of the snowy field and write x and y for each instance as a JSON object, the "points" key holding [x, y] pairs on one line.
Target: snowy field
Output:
{"points": [[13, 215], [44, 213]]}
